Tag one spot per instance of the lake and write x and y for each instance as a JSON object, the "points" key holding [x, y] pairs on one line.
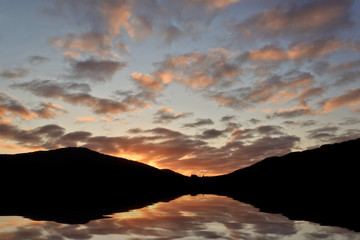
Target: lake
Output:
{"points": [[186, 218]]}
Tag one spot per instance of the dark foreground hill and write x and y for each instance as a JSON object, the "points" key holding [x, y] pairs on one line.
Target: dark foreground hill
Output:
{"points": [[75, 185], [320, 185]]}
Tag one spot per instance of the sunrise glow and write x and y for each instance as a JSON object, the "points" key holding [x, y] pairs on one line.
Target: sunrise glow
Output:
{"points": [[199, 87]]}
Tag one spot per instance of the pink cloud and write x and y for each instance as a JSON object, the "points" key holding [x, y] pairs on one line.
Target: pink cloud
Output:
{"points": [[349, 98]]}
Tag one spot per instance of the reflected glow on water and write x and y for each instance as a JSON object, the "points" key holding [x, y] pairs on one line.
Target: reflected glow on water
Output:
{"points": [[186, 218]]}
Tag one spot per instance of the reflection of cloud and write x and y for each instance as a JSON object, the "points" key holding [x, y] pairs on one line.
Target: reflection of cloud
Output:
{"points": [[190, 217]]}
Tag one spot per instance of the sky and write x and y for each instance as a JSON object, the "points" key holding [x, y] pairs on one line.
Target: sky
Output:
{"points": [[197, 86]]}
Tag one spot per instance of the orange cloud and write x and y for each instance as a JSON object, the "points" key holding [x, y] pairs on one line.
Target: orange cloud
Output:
{"points": [[349, 98], [294, 20], [297, 111], [76, 45], [49, 110], [10, 107], [298, 51], [314, 49], [147, 82], [86, 119], [268, 54]]}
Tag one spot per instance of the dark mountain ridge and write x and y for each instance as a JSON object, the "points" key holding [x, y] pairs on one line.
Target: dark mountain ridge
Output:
{"points": [[75, 185], [319, 185]]}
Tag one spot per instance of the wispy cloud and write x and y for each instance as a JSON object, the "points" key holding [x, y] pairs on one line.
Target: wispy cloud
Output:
{"points": [[166, 115], [199, 122], [349, 98], [14, 73], [74, 93], [95, 70], [10, 107], [298, 19]]}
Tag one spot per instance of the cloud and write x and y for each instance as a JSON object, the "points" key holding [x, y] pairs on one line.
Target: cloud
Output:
{"points": [[14, 73], [265, 147], [147, 82], [10, 106], [350, 121], [258, 132], [83, 44], [36, 59], [199, 122], [254, 121], [86, 119], [227, 118], [349, 98], [166, 115], [49, 110], [165, 148], [297, 111], [299, 19], [73, 93], [171, 20], [141, 99], [269, 53], [211, 133], [295, 86], [304, 50], [95, 70], [323, 133], [347, 78], [73, 139], [195, 70], [108, 20], [32, 138], [316, 48]]}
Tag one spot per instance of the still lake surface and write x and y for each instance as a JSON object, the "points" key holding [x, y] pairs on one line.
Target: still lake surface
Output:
{"points": [[186, 218]]}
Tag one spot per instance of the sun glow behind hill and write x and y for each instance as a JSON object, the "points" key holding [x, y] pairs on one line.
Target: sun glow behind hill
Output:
{"points": [[201, 87]]}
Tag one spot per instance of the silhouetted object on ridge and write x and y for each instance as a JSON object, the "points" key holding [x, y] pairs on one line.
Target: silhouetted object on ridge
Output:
{"points": [[75, 185]]}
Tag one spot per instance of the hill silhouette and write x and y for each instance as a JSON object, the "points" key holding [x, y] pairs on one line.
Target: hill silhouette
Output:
{"points": [[319, 185], [76, 185]]}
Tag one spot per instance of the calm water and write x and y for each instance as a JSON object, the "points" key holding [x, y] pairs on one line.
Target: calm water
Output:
{"points": [[188, 217]]}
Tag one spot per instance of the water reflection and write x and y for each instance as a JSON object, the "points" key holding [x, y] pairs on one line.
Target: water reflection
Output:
{"points": [[186, 218]]}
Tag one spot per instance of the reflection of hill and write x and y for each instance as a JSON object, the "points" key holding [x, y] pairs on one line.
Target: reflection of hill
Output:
{"points": [[75, 185], [319, 185]]}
